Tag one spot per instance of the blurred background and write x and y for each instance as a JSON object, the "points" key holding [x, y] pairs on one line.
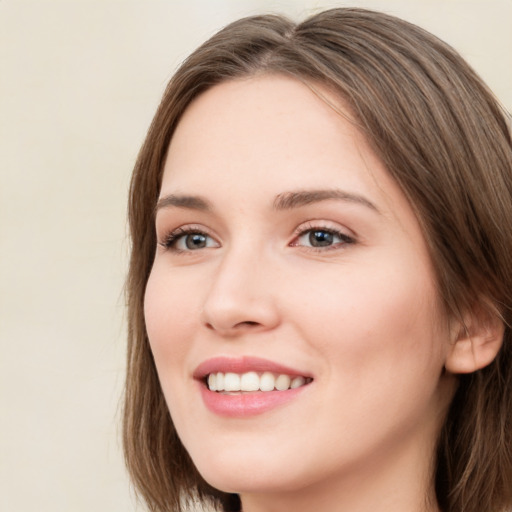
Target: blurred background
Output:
{"points": [[79, 83]]}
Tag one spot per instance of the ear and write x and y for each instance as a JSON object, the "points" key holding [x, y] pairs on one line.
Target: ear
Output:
{"points": [[476, 340]]}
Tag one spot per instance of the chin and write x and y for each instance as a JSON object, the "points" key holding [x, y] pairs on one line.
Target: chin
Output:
{"points": [[247, 475], [250, 482]]}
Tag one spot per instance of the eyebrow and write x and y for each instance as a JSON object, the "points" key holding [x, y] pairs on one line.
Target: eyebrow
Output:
{"points": [[283, 201], [289, 200], [183, 201]]}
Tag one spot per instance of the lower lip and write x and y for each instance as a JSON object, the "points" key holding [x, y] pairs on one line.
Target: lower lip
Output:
{"points": [[242, 405]]}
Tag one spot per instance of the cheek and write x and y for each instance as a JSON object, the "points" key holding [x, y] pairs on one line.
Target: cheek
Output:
{"points": [[375, 321], [382, 353], [168, 308]]}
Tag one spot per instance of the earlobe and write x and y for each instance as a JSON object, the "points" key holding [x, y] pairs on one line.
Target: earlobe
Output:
{"points": [[476, 342]]}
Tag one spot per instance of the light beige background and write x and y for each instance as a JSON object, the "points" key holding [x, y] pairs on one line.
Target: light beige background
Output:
{"points": [[79, 82]]}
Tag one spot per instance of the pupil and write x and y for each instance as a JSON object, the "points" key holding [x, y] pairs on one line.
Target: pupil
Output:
{"points": [[320, 238], [196, 241]]}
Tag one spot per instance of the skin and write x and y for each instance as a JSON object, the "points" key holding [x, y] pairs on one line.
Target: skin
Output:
{"points": [[362, 317]]}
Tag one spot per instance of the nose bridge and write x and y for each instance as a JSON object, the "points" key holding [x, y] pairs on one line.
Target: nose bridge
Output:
{"points": [[240, 294]]}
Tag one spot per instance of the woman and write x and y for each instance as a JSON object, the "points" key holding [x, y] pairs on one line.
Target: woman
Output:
{"points": [[320, 285]]}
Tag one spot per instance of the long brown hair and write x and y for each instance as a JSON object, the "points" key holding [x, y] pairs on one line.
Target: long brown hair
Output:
{"points": [[444, 139]]}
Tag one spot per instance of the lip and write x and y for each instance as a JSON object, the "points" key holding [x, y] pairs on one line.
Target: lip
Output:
{"points": [[245, 404], [242, 365]]}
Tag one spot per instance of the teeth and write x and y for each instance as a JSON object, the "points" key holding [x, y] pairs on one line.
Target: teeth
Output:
{"points": [[252, 381], [297, 382], [219, 380], [249, 382], [212, 382], [267, 382], [283, 382], [231, 382]]}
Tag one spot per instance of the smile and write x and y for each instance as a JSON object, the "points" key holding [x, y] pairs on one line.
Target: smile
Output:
{"points": [[252, 381], [247, 386]]}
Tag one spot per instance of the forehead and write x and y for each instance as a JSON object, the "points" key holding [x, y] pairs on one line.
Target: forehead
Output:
{"points": [[274, 132]]}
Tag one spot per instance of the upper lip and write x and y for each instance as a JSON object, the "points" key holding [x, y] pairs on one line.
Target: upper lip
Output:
{"points": [[242, 365]]}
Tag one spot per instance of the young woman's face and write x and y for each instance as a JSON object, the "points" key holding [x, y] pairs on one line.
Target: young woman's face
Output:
{"points": [[288, 258]]}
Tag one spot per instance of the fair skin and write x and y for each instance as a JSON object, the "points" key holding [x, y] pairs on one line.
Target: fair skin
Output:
{"points": [[336, 285]]}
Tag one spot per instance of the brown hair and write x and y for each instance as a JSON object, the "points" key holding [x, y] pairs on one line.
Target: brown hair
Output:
{"points": [[444, 139]]}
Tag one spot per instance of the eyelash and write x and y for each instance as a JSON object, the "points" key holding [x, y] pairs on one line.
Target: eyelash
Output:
{"points": [[170, 240], [310, 228]]}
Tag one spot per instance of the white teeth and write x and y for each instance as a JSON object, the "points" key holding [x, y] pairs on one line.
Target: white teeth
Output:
{"points": [[231, 382], [219, 380], [297, 382], [251, 381], [212, 382], [267, 382], [283, 382]]}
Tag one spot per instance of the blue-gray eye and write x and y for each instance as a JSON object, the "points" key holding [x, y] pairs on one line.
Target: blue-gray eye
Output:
{"points": [[188, 240], [195, 241], [319, 238]]}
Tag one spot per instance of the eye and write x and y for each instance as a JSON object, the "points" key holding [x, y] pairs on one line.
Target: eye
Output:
{"points": [[188, 239], [318, 238]]}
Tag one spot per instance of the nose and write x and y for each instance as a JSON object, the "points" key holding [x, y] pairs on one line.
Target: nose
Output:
{"points": [[242, 296]]}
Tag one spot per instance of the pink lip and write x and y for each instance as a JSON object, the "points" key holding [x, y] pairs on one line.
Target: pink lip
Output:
{"points": [[243, 365], [241, 405]]}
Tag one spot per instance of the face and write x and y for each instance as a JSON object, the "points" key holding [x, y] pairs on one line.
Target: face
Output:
{"points": [[291, 277]]}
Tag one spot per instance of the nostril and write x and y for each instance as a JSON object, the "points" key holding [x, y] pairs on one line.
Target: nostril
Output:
{"points": [[248, 323], [239, 327]]}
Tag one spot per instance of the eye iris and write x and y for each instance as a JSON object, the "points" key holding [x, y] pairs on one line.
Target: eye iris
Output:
{"points": [[195, 241], [320, 238]]}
